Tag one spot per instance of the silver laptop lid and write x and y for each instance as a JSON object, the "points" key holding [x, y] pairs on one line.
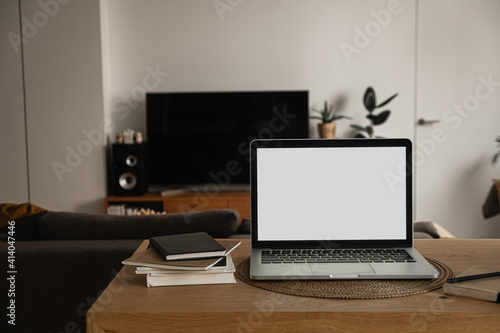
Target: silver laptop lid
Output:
{"points": [[342, 193]]}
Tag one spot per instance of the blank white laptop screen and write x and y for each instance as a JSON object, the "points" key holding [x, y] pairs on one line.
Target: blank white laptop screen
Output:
{"points": [[330, 194]]}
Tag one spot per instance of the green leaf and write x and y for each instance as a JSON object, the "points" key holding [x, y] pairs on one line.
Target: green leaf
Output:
{"points": [[360, 136], [329, 117], [387, 101], [316, 117], [495, 157], [381, 117], [369, 100], [369, 130], [340, 116], [359, 128]]}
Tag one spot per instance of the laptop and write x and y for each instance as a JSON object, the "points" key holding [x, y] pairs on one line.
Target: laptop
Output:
{"points": [[333, 209]]}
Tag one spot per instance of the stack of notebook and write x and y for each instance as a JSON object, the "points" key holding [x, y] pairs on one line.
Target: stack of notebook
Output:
{"points": [[185, 259]]}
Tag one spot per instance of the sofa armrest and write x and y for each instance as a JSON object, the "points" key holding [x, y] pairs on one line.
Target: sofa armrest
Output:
{"points": [[428, 229]]}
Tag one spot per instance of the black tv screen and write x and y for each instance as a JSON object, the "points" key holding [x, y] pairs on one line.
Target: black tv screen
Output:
{"points": [[203, 137]]}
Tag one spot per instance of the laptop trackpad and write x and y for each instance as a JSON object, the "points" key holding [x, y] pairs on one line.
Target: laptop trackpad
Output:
{"points": [[342, 269]]}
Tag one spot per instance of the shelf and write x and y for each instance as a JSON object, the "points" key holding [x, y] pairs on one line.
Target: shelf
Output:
{"points": [[182, 202]]}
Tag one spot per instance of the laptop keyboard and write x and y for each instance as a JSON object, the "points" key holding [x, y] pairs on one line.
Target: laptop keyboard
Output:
{"points": [[336, 256]]}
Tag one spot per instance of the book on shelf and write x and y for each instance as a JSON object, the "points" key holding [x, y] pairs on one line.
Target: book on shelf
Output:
{"points": [[165, 277], [484, 289], [151, 258], [188, 246], [114, 209], [124, 209]]}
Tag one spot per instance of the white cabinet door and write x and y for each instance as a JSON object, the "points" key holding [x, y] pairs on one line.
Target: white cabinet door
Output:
{"points": [[458, 74], [14, 163]]}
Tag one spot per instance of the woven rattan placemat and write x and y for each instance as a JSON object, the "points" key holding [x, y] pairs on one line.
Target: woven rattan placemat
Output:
{"points": [[350, 289]]}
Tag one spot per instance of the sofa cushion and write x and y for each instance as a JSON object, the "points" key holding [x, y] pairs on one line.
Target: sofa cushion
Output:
{"points": [[14, 212], [25, 217], [220, 223]]}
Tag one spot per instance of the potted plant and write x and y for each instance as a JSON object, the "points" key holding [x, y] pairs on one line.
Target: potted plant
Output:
{"points": [[370, 103], [328, 117]]}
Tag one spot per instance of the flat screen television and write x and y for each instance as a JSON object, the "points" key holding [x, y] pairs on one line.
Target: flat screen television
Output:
{"points": [[196, 138]]}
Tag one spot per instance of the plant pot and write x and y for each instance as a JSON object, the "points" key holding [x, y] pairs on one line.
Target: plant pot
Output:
{"points": [[326, 130]]}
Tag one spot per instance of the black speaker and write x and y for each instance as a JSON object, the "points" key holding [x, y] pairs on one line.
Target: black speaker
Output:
{"points": [[128, 170]]}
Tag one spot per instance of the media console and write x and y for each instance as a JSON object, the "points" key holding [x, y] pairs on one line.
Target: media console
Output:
{"points": [[183, 202]]}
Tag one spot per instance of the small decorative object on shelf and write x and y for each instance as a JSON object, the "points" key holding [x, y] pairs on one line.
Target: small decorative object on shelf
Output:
{"points": [[328, 117], [142, 211], [370, 103], [119, 138], [128, 136], [138, 137]]}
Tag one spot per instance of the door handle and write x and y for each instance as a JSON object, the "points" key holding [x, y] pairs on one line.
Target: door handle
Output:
{"points": [[424, 122]]}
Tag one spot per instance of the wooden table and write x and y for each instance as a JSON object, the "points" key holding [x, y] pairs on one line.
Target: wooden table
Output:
{"points": [[127, 305]]}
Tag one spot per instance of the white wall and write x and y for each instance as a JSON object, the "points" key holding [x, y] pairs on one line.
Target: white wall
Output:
{"points": [[63, 87], [459, 49], [13, 165], [262, 45]]}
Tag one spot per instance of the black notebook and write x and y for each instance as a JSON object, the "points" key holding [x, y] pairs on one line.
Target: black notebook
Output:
{"points": [[187, 246]]}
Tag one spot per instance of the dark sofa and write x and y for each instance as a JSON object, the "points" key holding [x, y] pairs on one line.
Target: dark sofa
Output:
{"points": [[65, 260]]}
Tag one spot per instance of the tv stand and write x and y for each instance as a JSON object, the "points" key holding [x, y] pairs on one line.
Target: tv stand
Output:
{"points": [[219, 188], [202, 198]]}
